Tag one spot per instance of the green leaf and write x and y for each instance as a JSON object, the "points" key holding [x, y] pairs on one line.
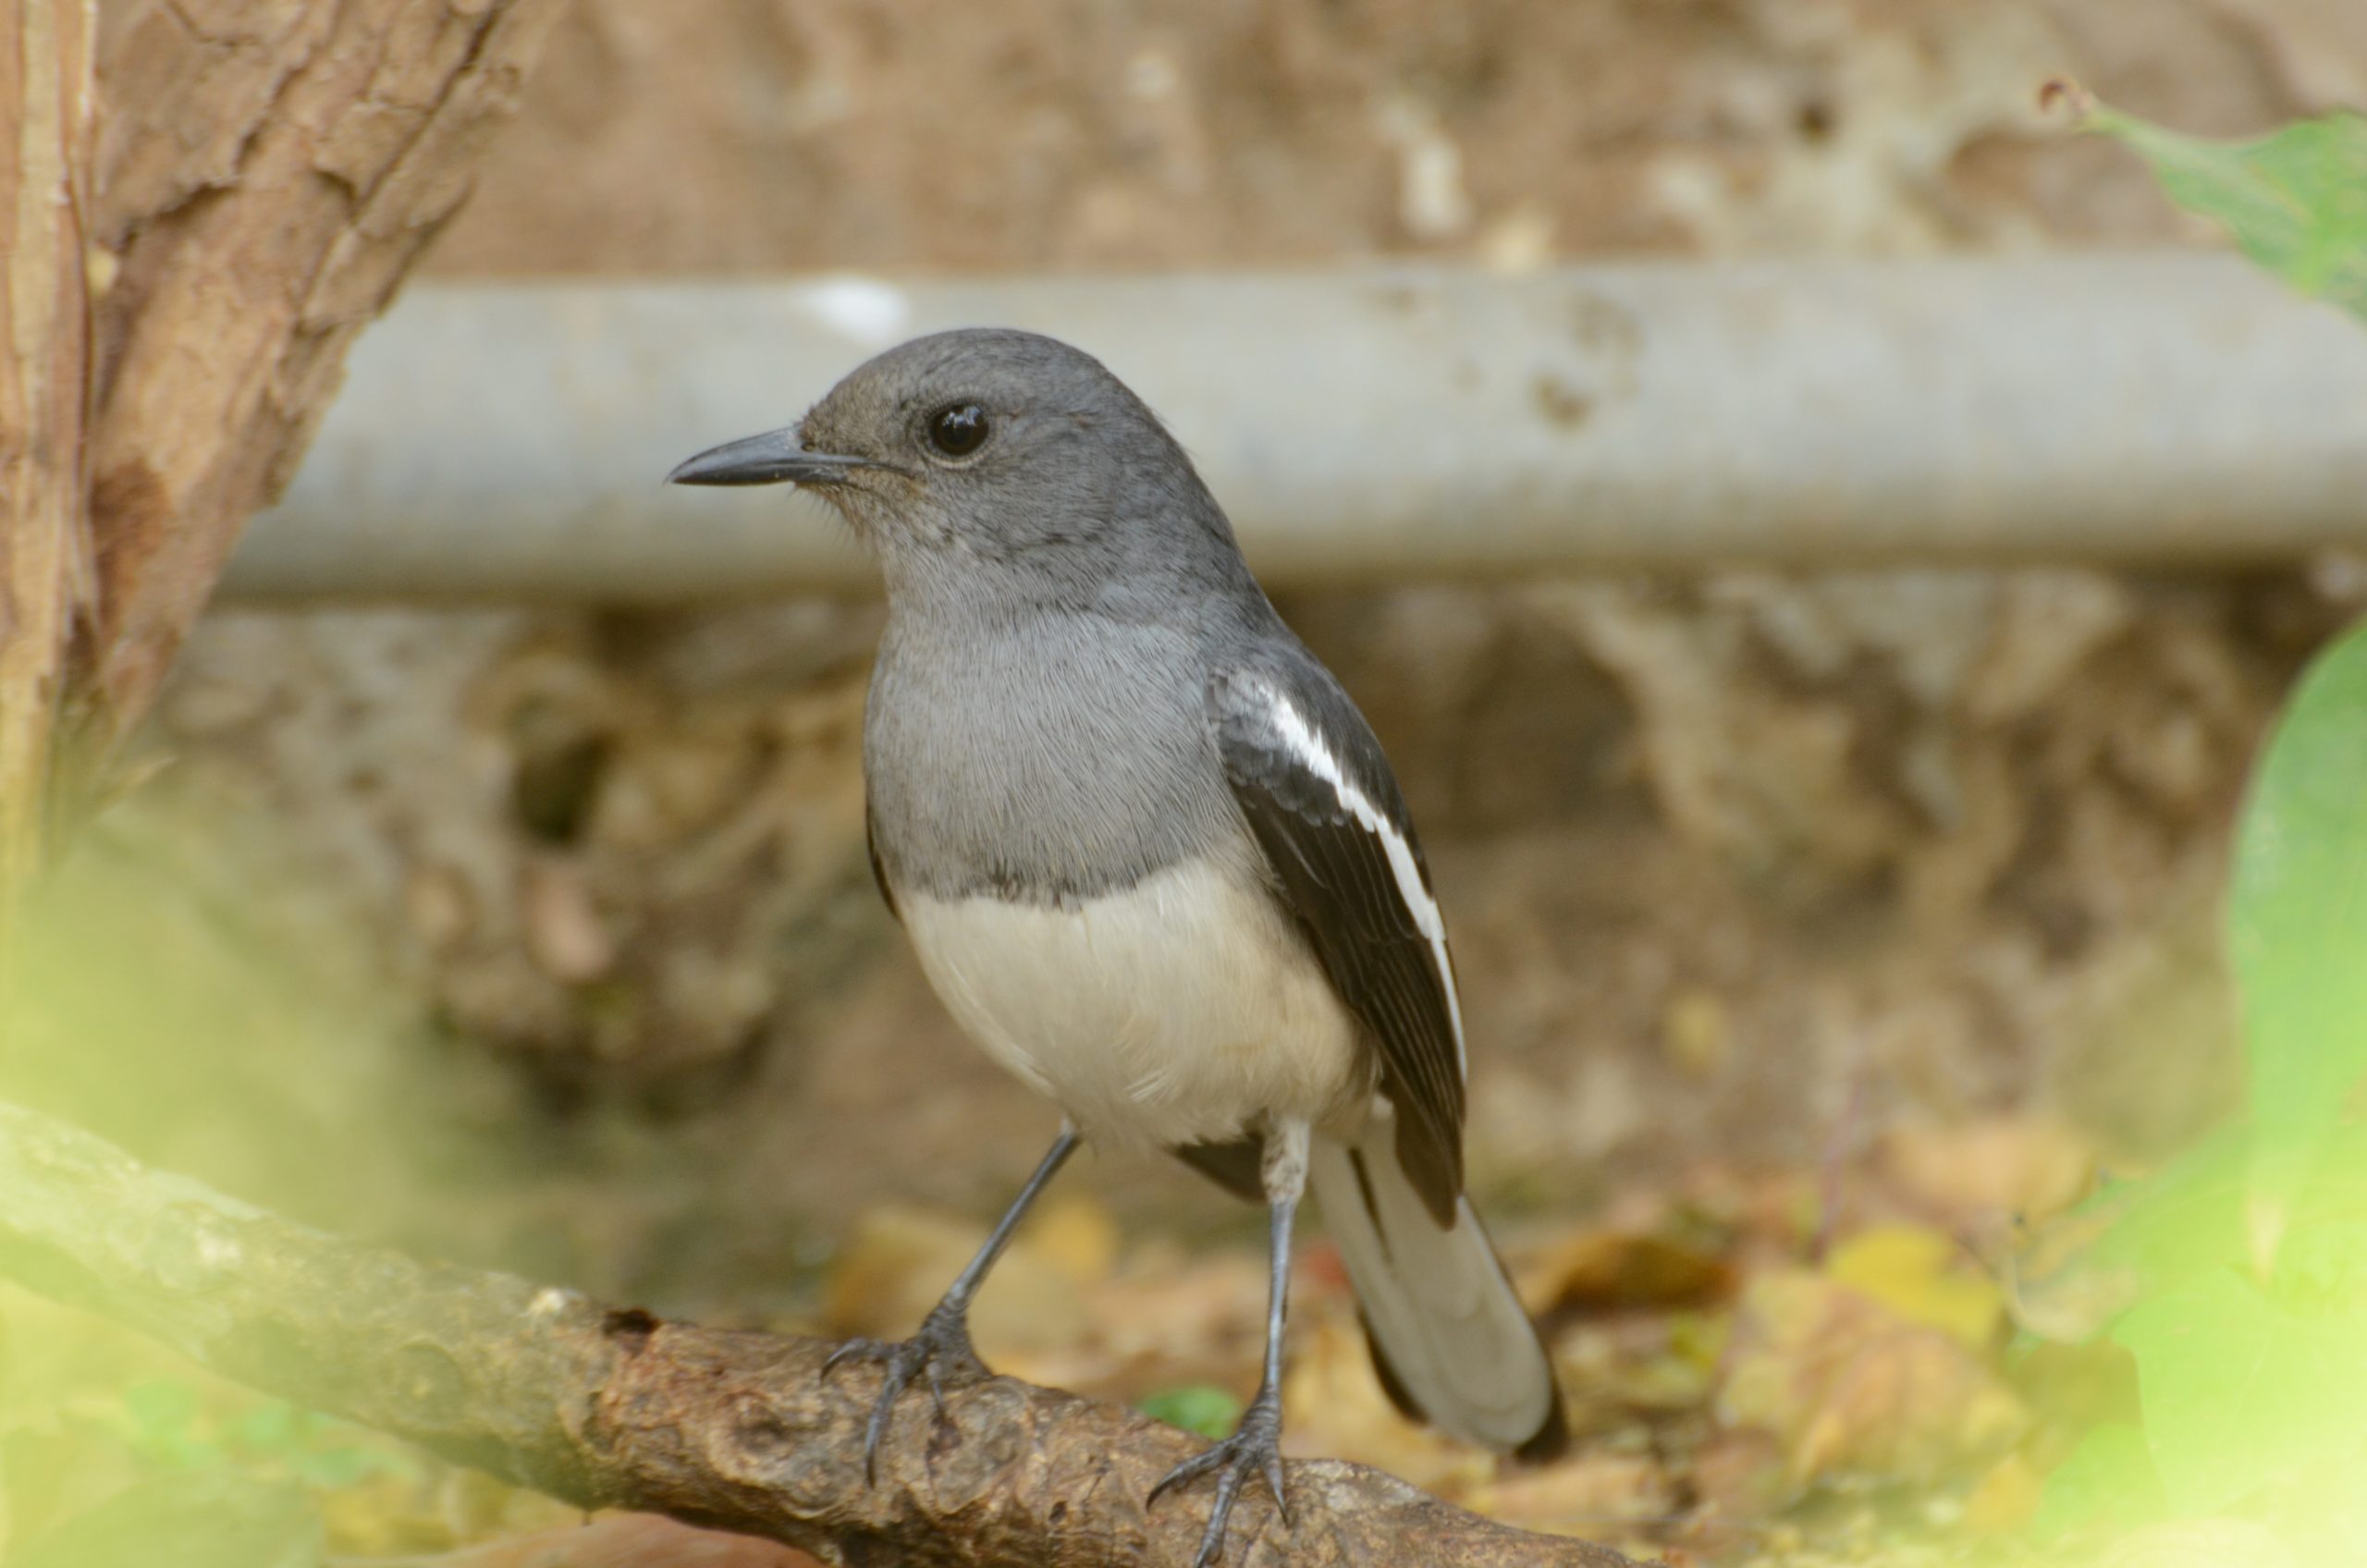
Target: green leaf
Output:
{"points": [[271, 1428], [214, 1520], [332, 1469], [2295, 201], [2298, 922], [159, 1408], [2238, 1393], [2107, 1482], [2075, 1273], [1195, 1407]]}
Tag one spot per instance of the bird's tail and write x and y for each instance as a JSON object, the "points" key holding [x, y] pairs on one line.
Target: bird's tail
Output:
{"points": [[1449, 1339]]}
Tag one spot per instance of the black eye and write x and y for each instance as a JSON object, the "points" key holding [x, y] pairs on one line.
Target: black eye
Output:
{"points": [[958, 431]]}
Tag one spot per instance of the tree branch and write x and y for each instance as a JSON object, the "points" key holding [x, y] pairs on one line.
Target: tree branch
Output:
{"points": [[609, 1407]]}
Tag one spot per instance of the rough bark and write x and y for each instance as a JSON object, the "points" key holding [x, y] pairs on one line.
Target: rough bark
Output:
{"points": [[607, 1406], [45, 356], [268, 172]]}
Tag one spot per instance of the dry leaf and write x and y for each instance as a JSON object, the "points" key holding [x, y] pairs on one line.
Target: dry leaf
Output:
{"points": [[1333, 1406], [1697, 1034], [1183, 1312], [1738, 1475], [1076, 1235], [2006, 1497], [613, 1540], [1847, 1384], [1585, 1496], [1922, 1276], [2030, 1166], [901, 1260], [1612, 1271]]}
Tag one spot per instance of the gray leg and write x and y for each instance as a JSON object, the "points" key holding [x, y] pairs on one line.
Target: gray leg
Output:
{"points": [[1254, 1449], [942, 1345]]}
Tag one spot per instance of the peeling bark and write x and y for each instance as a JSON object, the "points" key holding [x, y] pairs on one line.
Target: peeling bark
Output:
{"points": [[267, 173], [611, 1407]]}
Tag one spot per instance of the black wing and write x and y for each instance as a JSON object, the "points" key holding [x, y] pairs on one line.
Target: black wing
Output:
{"points": [[878, 872], [1321, 798]]}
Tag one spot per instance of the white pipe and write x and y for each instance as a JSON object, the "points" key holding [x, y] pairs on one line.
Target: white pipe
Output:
{"points": [[2164, 409]]}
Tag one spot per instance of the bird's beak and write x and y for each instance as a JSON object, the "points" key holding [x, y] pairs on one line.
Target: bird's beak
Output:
{"points": [[774, 458]]}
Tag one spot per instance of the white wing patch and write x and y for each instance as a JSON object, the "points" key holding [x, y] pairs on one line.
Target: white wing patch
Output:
{"points": [[1318, 759]]}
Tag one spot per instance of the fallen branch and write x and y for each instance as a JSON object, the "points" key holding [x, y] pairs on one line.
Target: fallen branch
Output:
{"points": [[607, 1407]]}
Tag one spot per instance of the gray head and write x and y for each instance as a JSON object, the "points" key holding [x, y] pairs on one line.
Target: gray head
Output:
{"points": [[988, 462]]}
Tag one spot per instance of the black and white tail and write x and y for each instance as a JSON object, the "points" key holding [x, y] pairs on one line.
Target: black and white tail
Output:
{"points": [[1451, 1341]]}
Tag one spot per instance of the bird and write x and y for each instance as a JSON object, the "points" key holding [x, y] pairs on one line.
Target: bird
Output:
{"points": [[1153, 861]]}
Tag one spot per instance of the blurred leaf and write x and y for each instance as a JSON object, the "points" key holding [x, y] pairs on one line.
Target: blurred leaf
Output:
{"points": [[1077, 1236], [2297, 924], [347, 1465], [163, 1415], [2202, 1543], [379, 1511], [2108, 1482], [2296, 201], [1196, 1407], [1583, 1496], [1615, 1270], [2239, 1393], [1700, 1338], [1334, 1405], [2025, 1163], [275, 1428], [1850, 1385], [900, 1261], [160, 1409], [2070, 1278], [2007, 1498], [617, 1540], [216, 1519], [1920, 1275]]}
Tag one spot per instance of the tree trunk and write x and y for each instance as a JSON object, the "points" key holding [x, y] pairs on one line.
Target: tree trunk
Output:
{"points": [[183, 282], [46, 574], [267, 174]]}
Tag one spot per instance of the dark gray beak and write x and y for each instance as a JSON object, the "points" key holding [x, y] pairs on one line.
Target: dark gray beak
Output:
{"points": [[774, 458]]}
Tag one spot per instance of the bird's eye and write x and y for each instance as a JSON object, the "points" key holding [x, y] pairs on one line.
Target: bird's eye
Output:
{"points": [[957, 430]]}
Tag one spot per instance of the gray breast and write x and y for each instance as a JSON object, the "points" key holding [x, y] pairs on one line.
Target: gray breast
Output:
{"points": [[1042, 761]]}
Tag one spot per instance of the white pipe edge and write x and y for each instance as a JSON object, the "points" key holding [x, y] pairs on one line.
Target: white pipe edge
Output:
{"points": [[509, 440]]}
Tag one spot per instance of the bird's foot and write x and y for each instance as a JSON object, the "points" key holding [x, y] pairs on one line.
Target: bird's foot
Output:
{"points": [[941, 1352], [1255, 1449]]}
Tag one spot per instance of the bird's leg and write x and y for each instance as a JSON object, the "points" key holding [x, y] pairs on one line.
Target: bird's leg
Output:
{"points": [[1255, 1446], [942, 1345]]}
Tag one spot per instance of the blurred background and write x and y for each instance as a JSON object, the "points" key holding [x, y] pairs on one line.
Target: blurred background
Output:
{"points": [[1791, 906]]}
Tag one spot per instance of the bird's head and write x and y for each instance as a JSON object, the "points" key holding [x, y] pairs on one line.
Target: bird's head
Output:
{"points": [[983, 452]]}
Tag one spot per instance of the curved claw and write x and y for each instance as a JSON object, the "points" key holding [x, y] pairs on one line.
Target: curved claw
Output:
{"points": [[870, 1349], [1254, 1449], [943, 1338]]}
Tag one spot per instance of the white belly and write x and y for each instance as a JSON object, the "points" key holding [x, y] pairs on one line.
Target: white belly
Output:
{"points": [[1170, 1013]]}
